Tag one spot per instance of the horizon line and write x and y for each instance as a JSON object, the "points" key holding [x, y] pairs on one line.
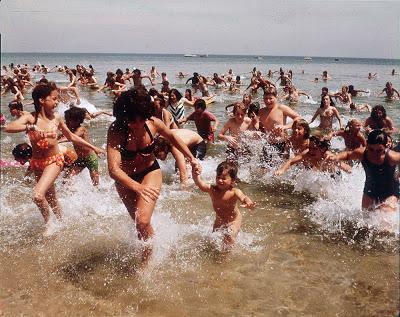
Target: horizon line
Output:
{"points": [[200, 54]]}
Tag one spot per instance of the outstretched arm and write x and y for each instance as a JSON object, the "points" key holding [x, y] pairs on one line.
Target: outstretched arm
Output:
{"points": [[76, 139], [200, 183], [356, 154], [314, 116], [285, 166], [245, 200], [177, 142]]}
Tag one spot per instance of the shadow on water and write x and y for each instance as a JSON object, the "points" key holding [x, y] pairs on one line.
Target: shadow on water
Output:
{"points": [[103, 273], [362, 238]]}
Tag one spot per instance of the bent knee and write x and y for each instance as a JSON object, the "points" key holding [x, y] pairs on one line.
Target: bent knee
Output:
{"points": [[142, 225], [38, 198]]}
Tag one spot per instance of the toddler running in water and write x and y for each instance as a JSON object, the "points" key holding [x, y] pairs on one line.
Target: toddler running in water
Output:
{"points": [[47, 161], [224, 197], [87, 158]]}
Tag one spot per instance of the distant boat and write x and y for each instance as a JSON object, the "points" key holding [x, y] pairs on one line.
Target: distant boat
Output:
{"points": [[257, 57], [203, 55], [307, 58], [336, 59], [190, 55]]}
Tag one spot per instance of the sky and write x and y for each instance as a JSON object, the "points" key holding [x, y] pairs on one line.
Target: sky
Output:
{"points": [[253, 27]]}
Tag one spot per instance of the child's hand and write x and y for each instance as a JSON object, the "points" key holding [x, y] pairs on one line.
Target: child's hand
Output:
{"points": [[330, 157], [248, 203], [99, 151], [196, 167], [279, 128], [232, 141], [279, 172]]}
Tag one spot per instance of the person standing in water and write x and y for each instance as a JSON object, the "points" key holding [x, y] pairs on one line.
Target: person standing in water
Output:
{"points": [[131, 160], [273, 118], [327, 112], [381, 188]]}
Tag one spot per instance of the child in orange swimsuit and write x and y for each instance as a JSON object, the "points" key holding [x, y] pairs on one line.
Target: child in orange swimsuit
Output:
{"points": [[47, 159]]}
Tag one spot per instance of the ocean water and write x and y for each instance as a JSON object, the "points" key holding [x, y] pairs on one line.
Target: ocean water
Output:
{"points": [[306, 250]]}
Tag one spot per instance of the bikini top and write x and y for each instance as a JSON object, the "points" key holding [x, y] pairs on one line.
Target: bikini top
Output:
{"points": [[146, 151], [42, 143]]}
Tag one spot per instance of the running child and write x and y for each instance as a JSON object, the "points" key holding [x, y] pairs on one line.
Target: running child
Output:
{"points": [[315, 158], [352, 135], [87, 158], [224, 196], [203, 120], [299, 140], [47, 161], [239, 123]]}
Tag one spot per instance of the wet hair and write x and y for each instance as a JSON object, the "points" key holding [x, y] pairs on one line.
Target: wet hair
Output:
{"points": [[162, 99], [137, 71], [230, 167], [133, 104], [200, 103], [350, 123], [237, 78], [15, 105], [176, 93], [22, 151], [161, 144], [189, 91], [153, 92], [332, 104], [246, 95], [119, 72], [43, 80], [238, 106], [75, 114], [302, 123], [377, 137], [254, 107], [325, 89], [42, 91], [270, 91], [374, 112], [351, 88], [320, 142]]}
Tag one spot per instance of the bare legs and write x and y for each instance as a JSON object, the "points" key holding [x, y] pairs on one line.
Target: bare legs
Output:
{"points": [[140, 210], [44, 194]]}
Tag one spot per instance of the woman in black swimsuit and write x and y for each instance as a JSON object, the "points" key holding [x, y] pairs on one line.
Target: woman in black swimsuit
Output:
{"points": [[131, 161], [381, 187]]}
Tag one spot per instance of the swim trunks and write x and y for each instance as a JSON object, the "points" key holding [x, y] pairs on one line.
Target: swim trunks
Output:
{"points": [[91, 162]]}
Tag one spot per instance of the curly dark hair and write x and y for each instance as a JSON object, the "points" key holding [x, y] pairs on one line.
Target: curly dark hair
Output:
{"points": [[374, 115], [133, 104]]}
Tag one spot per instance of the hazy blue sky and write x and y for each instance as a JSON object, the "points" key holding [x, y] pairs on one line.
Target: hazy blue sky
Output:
{"points": [[252, 27]]}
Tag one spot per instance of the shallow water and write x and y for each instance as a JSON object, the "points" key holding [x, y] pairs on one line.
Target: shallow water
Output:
{"points": [[306, 250]]}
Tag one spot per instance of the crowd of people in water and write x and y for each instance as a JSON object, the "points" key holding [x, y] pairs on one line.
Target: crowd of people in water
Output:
{"points": [[149, 124]]}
